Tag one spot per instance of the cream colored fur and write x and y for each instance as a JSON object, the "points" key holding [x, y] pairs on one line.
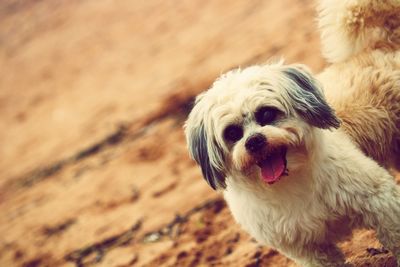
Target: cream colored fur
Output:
{"points": [[349, 27], [338, 178]]}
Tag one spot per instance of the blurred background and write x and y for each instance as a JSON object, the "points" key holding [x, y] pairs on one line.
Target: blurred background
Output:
{"points": [[94, 169]]}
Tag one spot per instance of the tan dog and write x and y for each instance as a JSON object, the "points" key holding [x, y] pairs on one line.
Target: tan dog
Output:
{"points": [[293, 175], [362, 40]]}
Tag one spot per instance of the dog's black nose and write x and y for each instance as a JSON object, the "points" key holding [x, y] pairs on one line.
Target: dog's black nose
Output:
{"points": [[255, 143]]}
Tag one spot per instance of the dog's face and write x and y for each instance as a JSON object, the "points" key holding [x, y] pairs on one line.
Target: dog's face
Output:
{"points": [[256, 123]]}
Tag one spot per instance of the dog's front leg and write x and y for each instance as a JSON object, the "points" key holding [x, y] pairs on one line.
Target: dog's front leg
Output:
{"points": [[390, 238], [384, 217], [317, 255]]}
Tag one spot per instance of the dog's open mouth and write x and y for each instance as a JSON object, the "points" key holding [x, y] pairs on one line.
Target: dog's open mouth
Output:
{"points": [[273, 166]]}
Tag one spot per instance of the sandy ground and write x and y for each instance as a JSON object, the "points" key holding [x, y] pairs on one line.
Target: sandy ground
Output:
{"points": [[93, 95]]}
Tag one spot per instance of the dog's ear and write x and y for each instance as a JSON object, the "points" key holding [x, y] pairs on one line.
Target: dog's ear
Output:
{"points": [[207, 154], [308, 100]]}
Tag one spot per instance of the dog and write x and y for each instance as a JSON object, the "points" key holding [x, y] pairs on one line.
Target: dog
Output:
{"points": [[303, 159]]}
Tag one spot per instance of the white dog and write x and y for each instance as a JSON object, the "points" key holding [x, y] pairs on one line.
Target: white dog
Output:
{"points": [[297, 175]]}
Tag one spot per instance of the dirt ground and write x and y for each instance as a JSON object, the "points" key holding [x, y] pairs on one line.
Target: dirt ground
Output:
{"points": [[93, 95]]}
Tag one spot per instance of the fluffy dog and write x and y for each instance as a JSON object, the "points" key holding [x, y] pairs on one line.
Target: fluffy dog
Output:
{"points": [[297, 175]]}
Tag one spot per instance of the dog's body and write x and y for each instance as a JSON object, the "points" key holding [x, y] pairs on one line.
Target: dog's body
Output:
{"points": [[264, 134]]}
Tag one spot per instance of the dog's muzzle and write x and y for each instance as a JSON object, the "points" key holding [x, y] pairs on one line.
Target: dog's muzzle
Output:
{"points": [[271, 161]]}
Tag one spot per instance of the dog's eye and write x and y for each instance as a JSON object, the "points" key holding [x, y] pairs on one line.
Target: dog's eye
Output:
{"points": [[233, 133], [266, 115]]}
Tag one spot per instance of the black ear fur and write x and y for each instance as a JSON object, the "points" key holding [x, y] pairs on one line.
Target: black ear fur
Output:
{"points": [[309, 101], [198, 148]]}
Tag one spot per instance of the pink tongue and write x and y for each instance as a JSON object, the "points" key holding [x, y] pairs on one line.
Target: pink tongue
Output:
{"points": [[272, 168]]}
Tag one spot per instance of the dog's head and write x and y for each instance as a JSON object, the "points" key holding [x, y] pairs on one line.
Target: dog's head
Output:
{"points": [[256, 122]]}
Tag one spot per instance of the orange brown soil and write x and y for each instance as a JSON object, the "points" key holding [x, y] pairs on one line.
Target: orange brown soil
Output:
{"points": [[93, 164]]}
